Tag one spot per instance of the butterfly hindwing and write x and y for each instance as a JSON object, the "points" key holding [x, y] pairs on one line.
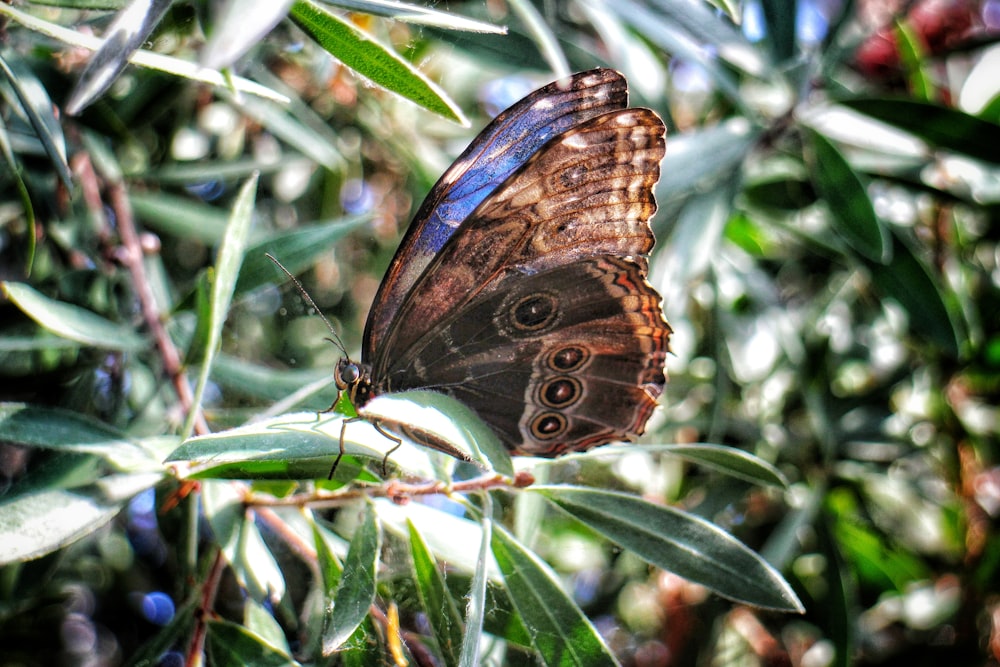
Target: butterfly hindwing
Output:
{"points": [[565, 359]]}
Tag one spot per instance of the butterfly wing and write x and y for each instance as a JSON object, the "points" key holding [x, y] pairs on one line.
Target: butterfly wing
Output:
{"points": [[537, 312], [562, 360], [499, 150], [587, 193]]}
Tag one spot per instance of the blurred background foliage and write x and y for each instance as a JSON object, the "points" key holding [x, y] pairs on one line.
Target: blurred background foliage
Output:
{"points": [[827, 251]]}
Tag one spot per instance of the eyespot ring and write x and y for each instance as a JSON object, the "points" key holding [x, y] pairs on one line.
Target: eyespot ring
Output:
{"points": [[568, 358], [560, 392], [548, 425]]}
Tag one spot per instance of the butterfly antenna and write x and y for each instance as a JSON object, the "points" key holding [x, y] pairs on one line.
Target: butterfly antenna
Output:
{"points": [[312, 304]]}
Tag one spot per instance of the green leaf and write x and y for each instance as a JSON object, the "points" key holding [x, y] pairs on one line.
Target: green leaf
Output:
{"points": [[845, 195], [679, 542], [442, 423], [381, 65], [227, 269], [475, 611], [62, 430], [242, 544], [442, 613], [296, 250], [16, 174], [238, 27], [255, 380], [912, 55], [780, 23], [540, 32], [941, 126], [729, 461], [409, 13], [286, 122], [356, 592], [142, 58], [294, 446], [697, 160], [561, 633], [39, 111], [72, 322], [127, 32], [330, 568], [909, 282], [261, 623], [230, 645], [684, 29], [180, 217], [38, 522], [452, 539]]}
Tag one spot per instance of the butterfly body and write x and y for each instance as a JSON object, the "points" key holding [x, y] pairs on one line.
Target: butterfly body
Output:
{"points": [[520, 288]]}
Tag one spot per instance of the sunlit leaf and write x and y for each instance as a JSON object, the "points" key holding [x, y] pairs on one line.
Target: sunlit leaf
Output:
{"points": [[356, 591], [682, 543], [36, 523], [378, 63], [239, 26], [40, 111], [72, 322], [122, 38], [156, 61], [229, 644], [442, 613], [944, 127], [561, 634], [845, 195], [227, 269], [475, 610]]}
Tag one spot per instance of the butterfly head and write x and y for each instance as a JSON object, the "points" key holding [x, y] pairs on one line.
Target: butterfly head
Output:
{"points": [[355, 379]]}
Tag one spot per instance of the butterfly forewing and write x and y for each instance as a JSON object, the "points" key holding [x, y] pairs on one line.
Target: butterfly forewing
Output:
{"points": [[587, 192], [499, 150]]}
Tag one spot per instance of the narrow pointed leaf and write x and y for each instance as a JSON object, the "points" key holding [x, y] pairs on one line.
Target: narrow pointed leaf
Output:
{"points": [[356, 592], [907, 280], [299, 445], [442, 613], [72, 322], [410, 13], [296, 250], [560, 632], [227, 269], [941, 126], [442, 423], [130, 28], [845, 195], [241, 25], [679, 542], [39, 110], [35, 523], [378, 63], [148, 59], [242, 544], [228, 644], [475, 610], [731, 461]]}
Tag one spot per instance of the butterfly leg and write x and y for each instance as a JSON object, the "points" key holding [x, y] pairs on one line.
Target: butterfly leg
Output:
{"points": [[340, 454], [390, 436]]}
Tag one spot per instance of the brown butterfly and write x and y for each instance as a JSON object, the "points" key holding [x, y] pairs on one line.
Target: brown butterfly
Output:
{"points": [[520, 287]]}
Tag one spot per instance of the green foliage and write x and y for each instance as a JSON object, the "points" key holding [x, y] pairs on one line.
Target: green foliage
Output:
{"points": [[827, 252]]}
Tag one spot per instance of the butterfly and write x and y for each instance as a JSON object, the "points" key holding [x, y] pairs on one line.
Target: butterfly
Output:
{"points": [[520, 287]]}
